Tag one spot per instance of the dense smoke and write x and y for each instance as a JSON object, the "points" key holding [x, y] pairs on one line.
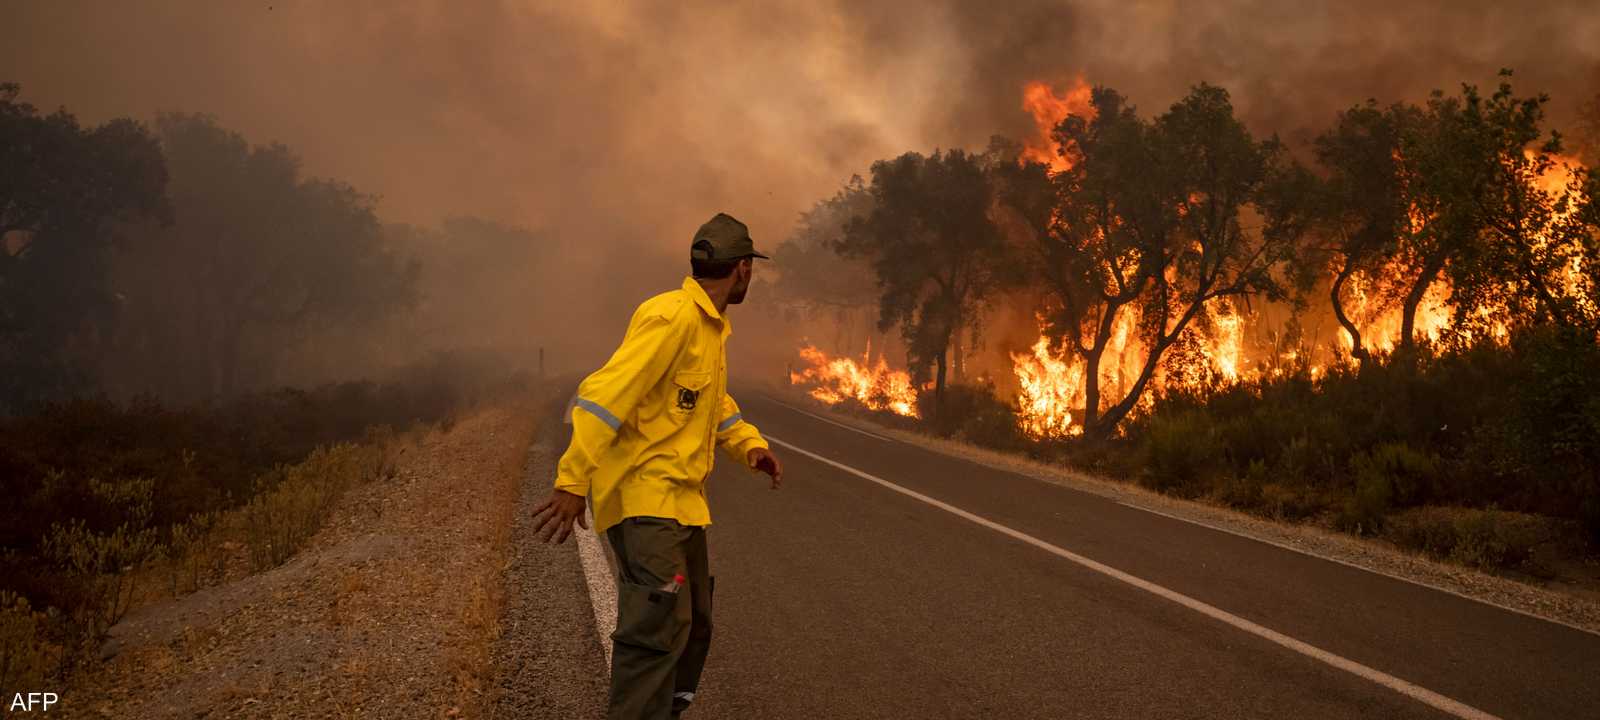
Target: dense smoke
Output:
{"points": [[611, 130]]}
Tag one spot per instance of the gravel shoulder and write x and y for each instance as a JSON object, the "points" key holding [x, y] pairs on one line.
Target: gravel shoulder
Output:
{"points": [[391, 611], [548, 660]]}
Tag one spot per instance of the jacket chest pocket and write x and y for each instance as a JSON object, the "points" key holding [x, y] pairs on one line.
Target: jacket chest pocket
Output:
{"points": [[688, 390]]}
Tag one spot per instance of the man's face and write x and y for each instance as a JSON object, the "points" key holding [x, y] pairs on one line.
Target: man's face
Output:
{"points": [[741, 281]]}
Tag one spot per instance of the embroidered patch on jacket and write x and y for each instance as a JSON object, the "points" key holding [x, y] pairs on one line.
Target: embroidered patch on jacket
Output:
{"points": [[687, 398]]}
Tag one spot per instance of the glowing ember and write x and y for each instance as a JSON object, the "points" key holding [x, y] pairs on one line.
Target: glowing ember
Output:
{"points": [[1048, 110], [835, 380]]}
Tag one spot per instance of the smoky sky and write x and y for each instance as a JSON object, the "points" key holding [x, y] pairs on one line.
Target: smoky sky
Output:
{"points": [[616, 127]]}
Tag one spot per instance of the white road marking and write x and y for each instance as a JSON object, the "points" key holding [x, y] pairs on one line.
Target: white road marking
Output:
{"points": [[1347, 563], [1417, 692], [602, 589], [1219, 528]]}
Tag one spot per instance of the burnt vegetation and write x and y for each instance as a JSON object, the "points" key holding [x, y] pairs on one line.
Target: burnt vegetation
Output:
{"points": [[1453, 247]]}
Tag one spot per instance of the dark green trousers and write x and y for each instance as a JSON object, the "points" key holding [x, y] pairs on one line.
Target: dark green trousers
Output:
{"points": [[660, 645]]}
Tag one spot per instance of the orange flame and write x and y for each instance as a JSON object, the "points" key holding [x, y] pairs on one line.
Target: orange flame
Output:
{"points": [[1051, 386], [835, 380], [1048, 110], [1554, 182], [1380, 320], [1050, 389]]}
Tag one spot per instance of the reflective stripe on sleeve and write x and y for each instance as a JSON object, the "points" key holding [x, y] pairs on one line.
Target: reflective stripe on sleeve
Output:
{"points": [[599, 412], [730, 422]]}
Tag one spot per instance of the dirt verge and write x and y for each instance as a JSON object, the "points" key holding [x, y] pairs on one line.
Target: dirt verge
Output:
{"points": [[390, 611]]}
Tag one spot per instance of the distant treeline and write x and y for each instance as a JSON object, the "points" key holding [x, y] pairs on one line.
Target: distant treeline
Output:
{"points": [[182, 261]]}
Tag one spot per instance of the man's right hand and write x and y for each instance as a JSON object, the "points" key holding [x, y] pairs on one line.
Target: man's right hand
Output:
{"points": [[554, 517]]}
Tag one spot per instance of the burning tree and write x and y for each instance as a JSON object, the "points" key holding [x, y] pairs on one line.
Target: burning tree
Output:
{"points": [[1142, 235], [1357, 217], [1531, 255], [1459, 213], [935, 249]]}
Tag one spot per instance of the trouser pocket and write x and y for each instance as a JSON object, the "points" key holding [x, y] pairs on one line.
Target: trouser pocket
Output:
{"points": [[647, 617]]}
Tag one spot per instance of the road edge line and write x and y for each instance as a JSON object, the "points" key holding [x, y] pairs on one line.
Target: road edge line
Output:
{"points": [[1403, 687]]}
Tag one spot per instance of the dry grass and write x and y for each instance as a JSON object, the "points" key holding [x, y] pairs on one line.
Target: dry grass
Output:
{"points": [[388, 611]]}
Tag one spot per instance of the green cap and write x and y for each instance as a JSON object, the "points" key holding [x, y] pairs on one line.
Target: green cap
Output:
{"points": [[723, 238]]}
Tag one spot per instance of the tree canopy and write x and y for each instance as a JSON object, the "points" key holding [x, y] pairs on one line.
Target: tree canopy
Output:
{"points": [[936, 251]]}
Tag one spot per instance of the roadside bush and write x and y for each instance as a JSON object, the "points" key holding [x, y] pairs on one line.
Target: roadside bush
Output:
{"points": [[1391, 475], [95, 496], [975, 414], [1244, 492], [1486, 539], [99, 572], [1291, 503], [1182, 453], [26, 655], [292, 502], [190, 553], [1513, 426]]}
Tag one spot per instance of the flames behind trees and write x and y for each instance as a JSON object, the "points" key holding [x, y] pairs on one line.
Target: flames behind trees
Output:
{"points": [[1048, 110], [1180, 254]]}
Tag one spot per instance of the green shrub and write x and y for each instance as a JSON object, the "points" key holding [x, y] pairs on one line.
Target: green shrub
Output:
{"points": [[190, 552], [100, 569], [1287, 502], [293, 501], [975, 414], [1245, 492], [1487, 539], [1513, 425], [1392, 475], [94, 493], [1180, 452], [1364, 510]]}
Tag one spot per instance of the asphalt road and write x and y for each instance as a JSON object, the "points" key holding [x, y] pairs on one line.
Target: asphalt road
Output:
{"points": [[838, 597]]}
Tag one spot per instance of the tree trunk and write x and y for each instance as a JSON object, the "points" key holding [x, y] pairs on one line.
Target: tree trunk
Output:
{"points": [[1357, 350], [1091, 364], [1114, 415], [1408, 312], [1091, 385], [938, 382]]}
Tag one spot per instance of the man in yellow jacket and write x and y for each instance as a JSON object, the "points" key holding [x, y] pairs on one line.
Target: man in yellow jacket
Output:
{"points": [[644, 428]]}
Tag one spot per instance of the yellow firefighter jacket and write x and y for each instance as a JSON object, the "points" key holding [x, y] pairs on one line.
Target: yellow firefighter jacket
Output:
{"points": [[645, 425]]}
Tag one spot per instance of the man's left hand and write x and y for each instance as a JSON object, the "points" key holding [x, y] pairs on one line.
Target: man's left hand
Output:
{"points": [[762, 459]]}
